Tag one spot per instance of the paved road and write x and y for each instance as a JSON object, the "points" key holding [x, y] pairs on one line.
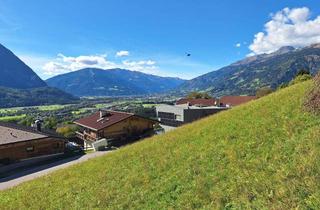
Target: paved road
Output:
{"points": [[42, 170]]}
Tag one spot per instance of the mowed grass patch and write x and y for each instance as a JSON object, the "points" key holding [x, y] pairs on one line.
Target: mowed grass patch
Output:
{"points": [[262, 155], [12, 118], [51, 107]]}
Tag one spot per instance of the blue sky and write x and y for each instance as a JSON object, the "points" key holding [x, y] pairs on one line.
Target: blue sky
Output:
{"points": [[151, 36]]}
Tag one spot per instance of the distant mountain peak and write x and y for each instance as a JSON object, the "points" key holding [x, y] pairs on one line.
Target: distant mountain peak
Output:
{"points": [[284, 49], [101, 82], [246, 76], [316, 45], [14, 73], [262, 57]]}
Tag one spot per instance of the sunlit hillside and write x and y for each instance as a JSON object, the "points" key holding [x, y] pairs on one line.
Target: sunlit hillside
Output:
{"points": [[262, 155]]}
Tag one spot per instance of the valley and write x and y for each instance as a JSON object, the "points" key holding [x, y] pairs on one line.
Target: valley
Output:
{"points": [[59, 115]]}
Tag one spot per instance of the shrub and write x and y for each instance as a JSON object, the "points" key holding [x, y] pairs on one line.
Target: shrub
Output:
{"points": [[303, 72], [196, 95], [300, 78], [283, 85], [67, 130], [263, 91], [312, 103]]}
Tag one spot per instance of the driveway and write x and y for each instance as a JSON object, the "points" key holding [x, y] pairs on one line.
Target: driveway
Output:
{"points": [[36, 172]]}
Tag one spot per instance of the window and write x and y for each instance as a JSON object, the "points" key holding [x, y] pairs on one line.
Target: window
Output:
{"points": [[166, 115], [30, 149], [178, 117]]}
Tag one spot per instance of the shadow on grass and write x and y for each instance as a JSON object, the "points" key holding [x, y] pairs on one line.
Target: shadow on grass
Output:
{"points": [[36, 167]]}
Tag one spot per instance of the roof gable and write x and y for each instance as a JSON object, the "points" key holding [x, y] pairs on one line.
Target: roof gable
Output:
{"points": [[198, 101], [12, 134], [236, 100], [95, 122]]}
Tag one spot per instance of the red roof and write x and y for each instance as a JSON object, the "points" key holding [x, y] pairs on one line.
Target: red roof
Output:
{"points": [[199, 101], [235, 100], [96, 123]]}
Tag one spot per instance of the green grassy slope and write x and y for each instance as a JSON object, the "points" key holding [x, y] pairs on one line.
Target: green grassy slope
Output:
{"points": [[263, 155]]}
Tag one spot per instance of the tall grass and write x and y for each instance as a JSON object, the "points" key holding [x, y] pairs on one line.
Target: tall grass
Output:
{"points": [[262, 155]]}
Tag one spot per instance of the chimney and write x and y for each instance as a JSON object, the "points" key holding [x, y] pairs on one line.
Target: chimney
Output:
{"points": [[37, 125], [102, 114]]}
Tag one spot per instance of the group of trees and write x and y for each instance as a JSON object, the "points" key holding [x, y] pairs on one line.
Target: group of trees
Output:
{"points": [[197, 95], [67, 130]]}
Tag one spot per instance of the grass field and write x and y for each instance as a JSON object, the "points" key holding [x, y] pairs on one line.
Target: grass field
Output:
{"points": [[9, 110], [41, 108], [51, 107], [262, 155], [12, 118]]}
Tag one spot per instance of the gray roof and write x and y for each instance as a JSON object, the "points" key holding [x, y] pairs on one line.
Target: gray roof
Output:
{"points": [[10, 133]]}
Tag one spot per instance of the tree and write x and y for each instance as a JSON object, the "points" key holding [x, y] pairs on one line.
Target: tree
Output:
{"points": [[303, 72], [27, 121], [263, 91], [300, 78], [68, 131], [50, 123], [196, 95]]}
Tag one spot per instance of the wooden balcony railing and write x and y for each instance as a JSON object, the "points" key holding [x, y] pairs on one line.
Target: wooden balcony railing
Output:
{"points": [[85, 136]]}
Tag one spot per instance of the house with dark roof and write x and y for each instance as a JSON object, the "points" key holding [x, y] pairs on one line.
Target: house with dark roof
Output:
{"points": [[230, 101], [188, 110], [172, 116], [114, 126], [200, 102], [19, 143]]}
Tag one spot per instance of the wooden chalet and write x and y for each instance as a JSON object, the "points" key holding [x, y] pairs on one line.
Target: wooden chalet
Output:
{"points": [[113, 125], [19, 143]]}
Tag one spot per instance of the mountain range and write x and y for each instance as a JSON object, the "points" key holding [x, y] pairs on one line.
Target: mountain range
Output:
{"points": [[246, 76], [16, 74], [112, 82], [21, 86]]}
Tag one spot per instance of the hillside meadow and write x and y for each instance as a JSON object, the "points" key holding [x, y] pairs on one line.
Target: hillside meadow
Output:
{"points": [[262, 155]]}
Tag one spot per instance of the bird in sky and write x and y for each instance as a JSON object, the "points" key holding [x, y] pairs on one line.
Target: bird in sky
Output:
{"points": [[188, 54]]}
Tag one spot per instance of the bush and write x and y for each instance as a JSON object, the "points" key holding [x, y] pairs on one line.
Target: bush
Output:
{"points": [[263, 91], [303, 72], [283, 85], [197, 95], [67, 131], [312, 103], [300, 78]]}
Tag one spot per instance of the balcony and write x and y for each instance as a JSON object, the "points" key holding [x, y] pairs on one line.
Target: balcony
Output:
{"points": [[85, 136]]}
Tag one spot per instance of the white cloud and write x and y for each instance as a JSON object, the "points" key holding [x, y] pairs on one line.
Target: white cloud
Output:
{"points": [[122, 53], [146, 66], [64, 64], [288, 27], [35, 62], [238, 45]]}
